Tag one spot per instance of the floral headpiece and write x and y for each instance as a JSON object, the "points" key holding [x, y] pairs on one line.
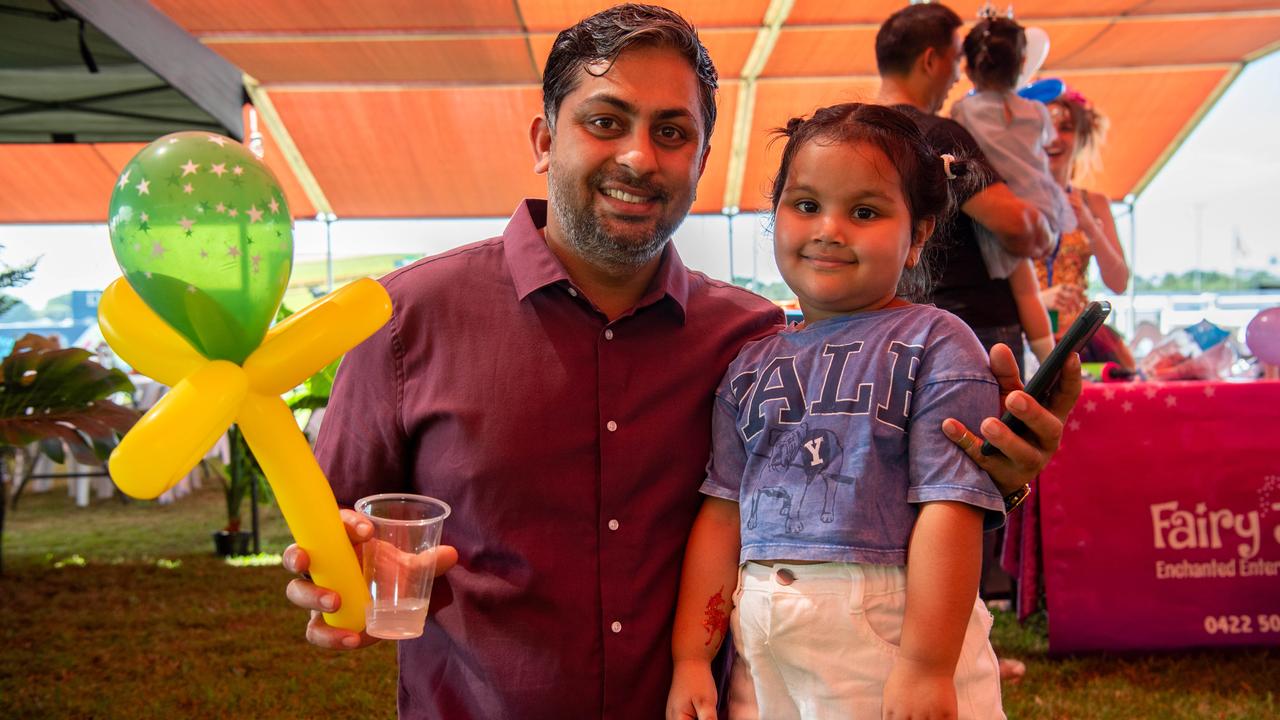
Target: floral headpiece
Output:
{"points": [[1077, 97]]}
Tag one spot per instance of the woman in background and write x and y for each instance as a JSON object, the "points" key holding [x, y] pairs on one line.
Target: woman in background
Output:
{"points": [[1063, 275]]}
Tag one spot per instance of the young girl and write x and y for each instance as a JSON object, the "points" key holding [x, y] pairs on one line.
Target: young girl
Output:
{"points": [[851, 529], [1012, 133]]}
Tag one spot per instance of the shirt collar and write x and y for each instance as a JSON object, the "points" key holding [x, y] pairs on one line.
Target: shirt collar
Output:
{"points": [[531, 263], [533, 266]]}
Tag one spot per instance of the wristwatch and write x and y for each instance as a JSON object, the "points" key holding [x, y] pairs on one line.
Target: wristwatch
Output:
{"points": [[1015, 498]]}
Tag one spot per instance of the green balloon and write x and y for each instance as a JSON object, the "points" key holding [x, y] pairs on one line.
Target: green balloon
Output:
{"points": [[202, 232]]}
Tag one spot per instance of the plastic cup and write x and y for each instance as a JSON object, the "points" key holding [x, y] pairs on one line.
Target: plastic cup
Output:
{"points": [[400, 561]]}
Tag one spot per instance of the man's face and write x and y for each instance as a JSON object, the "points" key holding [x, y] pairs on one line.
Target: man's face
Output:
{"points": [[946, 71], [624, 158]]}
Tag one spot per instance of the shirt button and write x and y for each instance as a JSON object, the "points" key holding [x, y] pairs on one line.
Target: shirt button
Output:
{"points": [[611, 425], [613, 524], [573, 292], [616, 626], [608, 334]]}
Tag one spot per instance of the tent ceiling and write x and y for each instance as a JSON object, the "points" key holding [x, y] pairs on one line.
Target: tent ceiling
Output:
{"points": [[79, 97], [64, 82], [403, 108]]}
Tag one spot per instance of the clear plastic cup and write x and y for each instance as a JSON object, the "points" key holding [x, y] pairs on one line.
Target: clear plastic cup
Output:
{"points": [[400, 561]]}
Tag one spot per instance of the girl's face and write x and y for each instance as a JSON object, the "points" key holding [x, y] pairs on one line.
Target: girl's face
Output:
{"points": [[842, 231], [1062, 151]]}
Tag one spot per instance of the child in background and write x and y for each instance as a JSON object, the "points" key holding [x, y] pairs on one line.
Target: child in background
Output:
{"points": [[850, 528], [1012, 132]]}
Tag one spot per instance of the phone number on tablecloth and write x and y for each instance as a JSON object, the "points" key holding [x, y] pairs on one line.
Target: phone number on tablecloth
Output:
{"points": [[1241, 624]]}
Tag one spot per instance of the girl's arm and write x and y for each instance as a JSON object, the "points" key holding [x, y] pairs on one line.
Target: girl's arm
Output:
{"points": [[1094, 213], [1031, 312], [944, 562], [707, 584]]}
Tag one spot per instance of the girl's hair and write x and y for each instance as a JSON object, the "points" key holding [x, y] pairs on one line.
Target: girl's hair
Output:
{"points": [[1090, 127], [994, 50], [924, 173]]}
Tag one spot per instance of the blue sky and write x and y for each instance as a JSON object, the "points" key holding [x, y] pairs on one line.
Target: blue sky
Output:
{"points": [[1224, 182]]}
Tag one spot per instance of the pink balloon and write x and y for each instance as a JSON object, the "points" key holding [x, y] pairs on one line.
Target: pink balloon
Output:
{"points": [[1263, 336]]}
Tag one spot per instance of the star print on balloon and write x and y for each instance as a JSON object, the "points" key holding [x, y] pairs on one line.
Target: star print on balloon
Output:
{"points": [[222, 227], [206, 262]]}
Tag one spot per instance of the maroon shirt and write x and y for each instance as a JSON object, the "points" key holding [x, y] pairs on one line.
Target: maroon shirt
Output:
{"points": [[571, 449]]}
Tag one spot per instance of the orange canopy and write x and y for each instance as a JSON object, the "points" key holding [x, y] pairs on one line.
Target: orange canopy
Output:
{"points": [[403, 108]]}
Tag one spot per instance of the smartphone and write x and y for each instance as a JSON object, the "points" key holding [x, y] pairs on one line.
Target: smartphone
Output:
{"points": [[1046, 378]]}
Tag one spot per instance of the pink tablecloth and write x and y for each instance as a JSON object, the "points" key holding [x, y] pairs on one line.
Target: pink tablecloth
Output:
{"points": [[1159, 520]]}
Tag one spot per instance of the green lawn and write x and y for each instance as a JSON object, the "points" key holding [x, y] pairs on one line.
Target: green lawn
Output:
{"points": [[141, 621], [120, 611], [313, 274]]}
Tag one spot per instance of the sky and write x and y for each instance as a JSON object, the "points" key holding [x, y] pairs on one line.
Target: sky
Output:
{"points": [[1222, 184]]}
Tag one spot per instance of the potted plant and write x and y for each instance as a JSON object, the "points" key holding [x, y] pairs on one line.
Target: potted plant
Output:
{"points": [[58, 398], [238, 479], [242, 475]]}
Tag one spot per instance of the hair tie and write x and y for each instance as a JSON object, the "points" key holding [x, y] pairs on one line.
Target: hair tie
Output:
{"points": [[947, 159]]}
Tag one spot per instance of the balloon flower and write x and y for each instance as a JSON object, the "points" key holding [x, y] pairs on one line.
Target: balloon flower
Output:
{"points": [[203, 235]]}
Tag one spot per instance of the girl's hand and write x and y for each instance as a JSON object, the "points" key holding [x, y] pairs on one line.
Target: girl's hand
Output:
{"points": [[693, 692], [914, 692], [1068, 299]]}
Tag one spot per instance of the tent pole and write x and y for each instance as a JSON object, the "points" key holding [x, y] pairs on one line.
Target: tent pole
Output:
{"points": [[328, 250], [1131, 202], [728, 216]]}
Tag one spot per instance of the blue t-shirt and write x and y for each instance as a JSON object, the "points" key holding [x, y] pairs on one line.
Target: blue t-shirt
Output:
{"points": [[829, 435]]}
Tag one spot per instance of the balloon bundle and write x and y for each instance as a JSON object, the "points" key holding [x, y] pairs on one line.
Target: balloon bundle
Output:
{"points": [[202, 232]]}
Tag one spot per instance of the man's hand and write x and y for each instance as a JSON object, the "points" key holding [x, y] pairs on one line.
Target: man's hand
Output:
{"points": [[1023, 458], [306, 594], [693, 692], [913, 693]]}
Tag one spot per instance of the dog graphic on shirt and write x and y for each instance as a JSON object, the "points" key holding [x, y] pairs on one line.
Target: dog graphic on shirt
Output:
{"points": [[819, 454]]}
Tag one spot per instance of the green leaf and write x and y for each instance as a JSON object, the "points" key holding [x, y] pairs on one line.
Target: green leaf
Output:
{"points": [[52, 448], [60, 398]]}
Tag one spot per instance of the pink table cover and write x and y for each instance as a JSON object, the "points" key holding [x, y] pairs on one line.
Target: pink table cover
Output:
{"points": [[1160, 518]]}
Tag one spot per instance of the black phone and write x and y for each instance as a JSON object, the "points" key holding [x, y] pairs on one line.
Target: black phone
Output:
{"points": [[1046, 378]]}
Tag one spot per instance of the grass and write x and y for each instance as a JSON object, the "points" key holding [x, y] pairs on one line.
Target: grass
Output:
{"points": [[312, 274], [120, 610], [141, 621], [1231, 684]]}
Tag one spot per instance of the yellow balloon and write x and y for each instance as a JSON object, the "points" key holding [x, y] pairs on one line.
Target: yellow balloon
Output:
{"points": [[142, 339], [307, 341], [172, 437], [307, 503]]}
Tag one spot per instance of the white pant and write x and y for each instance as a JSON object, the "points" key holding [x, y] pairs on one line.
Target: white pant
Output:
{"points": [[822, 645]]}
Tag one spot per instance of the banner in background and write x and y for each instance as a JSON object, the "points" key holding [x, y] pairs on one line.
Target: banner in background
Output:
{"points": [[1160, 518]]}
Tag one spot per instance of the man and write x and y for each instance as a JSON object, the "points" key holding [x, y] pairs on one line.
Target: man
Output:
{"points": [[554, 385], [918, 51]]}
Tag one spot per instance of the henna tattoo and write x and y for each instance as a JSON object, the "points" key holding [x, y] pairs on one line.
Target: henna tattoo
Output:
{"points": [[717, 617]]}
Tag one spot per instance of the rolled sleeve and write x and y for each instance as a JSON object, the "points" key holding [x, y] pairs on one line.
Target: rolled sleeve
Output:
{"points": [[728, 454]]}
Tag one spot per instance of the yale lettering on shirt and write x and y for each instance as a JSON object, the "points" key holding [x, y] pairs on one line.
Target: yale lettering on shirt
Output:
{"points": [[778, 389]]}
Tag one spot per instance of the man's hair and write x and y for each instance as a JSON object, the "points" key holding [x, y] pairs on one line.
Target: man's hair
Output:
{"points": [[605, 35], [909, 32]]}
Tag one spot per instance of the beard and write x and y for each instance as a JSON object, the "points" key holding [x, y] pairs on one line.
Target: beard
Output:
{"points": [[621, 251]]}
